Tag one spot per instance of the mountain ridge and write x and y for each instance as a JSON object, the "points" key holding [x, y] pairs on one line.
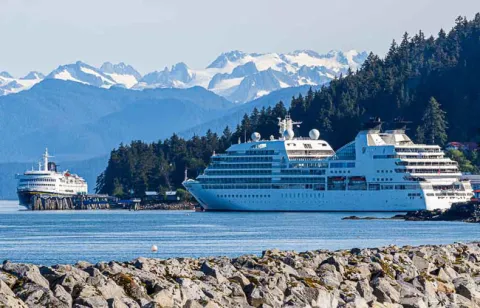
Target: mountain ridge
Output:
{"points": [[236, 75]]}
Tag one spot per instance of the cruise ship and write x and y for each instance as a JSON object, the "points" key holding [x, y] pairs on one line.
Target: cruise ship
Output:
{"points": [[48, 180], [378, 171]]}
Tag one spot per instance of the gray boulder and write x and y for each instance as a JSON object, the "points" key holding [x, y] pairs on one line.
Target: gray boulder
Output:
{"points": [[26, 271], [384, 291]]}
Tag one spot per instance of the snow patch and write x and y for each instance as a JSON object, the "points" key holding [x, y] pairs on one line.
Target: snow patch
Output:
{"points": [[65, 75], [126, 80]]}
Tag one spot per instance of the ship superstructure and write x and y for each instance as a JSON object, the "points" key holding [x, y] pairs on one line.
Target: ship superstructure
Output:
{"points": [[48, 180], [378, 171]]}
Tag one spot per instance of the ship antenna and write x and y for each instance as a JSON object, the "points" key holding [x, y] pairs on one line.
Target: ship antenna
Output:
{"points": [[45, 160]]}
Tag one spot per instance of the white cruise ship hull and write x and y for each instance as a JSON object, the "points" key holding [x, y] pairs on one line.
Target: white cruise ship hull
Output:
{"points": [[314, 201]]}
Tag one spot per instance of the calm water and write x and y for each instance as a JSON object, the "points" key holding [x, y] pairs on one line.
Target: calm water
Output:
{"points": [[66, 237]]}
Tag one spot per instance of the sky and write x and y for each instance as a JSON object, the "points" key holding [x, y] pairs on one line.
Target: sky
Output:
{"points": [[151, 34]]}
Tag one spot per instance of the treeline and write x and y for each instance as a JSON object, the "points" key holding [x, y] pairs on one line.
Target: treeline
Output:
{"points": [[431, 81]]}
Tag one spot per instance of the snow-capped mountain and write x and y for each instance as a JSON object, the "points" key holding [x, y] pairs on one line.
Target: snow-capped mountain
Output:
{"points": [[241, 77], [10, 84], [83, 73], [235, 75], [121, 73]]}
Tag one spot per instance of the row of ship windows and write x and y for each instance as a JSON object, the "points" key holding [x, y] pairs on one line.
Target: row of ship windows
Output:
{"points": [[432, 171], [448, 194], [339, 171], [243, 196], [266, 172], [311, 152], [436, 164], [36, 180], [33, 185], [240, 166], [242, 159], [421, 157], [318, 187], [249, 152], [417, 150], [238, 172]]}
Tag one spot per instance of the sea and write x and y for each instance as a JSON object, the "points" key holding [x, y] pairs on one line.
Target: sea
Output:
{"points": [[60, 237]]}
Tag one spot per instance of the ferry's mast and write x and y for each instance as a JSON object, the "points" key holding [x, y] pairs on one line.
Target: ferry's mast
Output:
{"points": [[45, 160]]}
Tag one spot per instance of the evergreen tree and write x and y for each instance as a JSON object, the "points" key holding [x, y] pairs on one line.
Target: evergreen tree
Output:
{"points": [[434, 123]]}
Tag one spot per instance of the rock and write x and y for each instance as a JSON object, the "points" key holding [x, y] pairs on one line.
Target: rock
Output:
{"points": [[169, 297], [466, 287], [365, 290], [192, 304], [337, 262], [213, 271], [413, 302], [5, 290], [384, 291], [8, 298], [132, 286], [83, 264], [258, 296], [89, 296], [407, 290], [329, 276], [421, 264], [240, 279], [190, 290], [9, 279], [63, 295], [34, 295], [26, 271]]}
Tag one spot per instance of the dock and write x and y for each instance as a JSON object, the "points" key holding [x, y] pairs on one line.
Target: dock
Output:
{"points": [[76, 202]]}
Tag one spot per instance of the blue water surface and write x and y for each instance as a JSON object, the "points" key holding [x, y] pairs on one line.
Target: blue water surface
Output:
{"points": [[69, 236]]}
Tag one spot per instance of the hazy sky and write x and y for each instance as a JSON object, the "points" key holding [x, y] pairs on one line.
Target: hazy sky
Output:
{"points": [[152, 34]]}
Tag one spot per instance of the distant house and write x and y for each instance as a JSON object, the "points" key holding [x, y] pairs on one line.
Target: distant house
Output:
{"points": [[172, 196], [462, 146], [152, 196]]}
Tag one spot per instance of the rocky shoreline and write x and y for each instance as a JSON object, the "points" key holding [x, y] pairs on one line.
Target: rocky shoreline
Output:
{"points": [[464, 212], [424, 276], [175, 206]]}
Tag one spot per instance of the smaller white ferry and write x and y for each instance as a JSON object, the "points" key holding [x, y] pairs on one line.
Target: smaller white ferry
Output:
{"points": [[48, 180]]}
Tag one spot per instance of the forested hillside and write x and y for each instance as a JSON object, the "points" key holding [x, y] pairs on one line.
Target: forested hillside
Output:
{"points": [[434, 82]]}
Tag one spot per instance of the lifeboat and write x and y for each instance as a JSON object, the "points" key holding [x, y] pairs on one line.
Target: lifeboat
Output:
{"points": [[338, 180]]}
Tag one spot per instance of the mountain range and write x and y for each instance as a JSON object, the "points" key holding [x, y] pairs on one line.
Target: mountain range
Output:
{"points": [[235, 75]]}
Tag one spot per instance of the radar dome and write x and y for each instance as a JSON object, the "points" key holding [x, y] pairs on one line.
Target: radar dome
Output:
{"points": [[288, 134], [314, 134], [255, 136]]}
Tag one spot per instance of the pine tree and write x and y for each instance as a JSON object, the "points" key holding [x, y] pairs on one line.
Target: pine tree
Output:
{"points": [[420, 134], [434, 123]]}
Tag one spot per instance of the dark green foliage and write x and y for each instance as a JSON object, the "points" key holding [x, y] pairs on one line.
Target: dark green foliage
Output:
{"points": [[466, 161]]}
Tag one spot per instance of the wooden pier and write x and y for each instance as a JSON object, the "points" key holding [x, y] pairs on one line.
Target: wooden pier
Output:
{"points": [[77, 202]]}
